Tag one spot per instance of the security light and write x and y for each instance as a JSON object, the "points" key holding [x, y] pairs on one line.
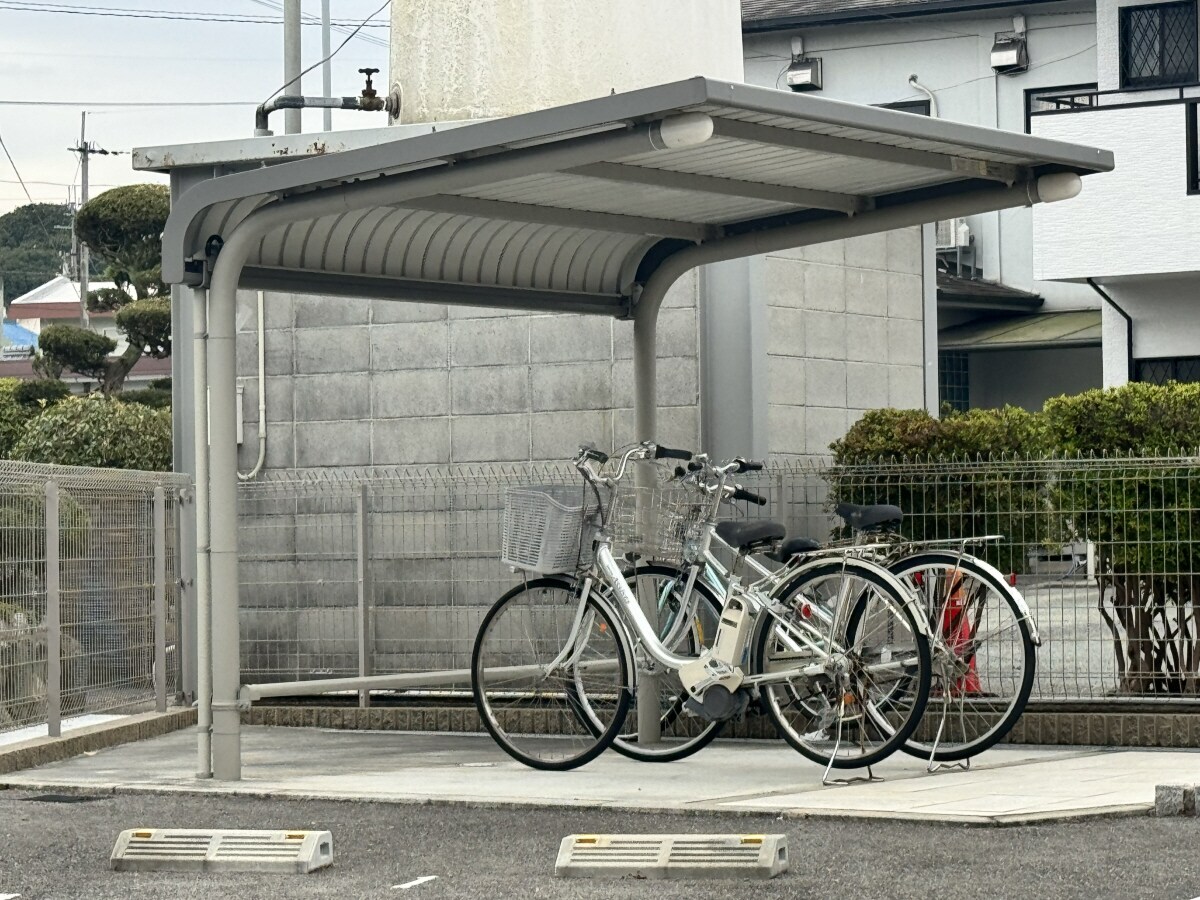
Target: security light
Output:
{"points": [[1010, 54], [804, 74]]}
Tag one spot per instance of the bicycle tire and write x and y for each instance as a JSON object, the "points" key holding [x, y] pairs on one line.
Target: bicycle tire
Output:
{"points": [[1003, 689], [682, 734], [531, 710], [811, 714]]}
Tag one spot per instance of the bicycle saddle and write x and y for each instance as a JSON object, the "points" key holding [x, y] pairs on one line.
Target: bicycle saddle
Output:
{"points": [[796, 546], [870, 518], [748, 535]]}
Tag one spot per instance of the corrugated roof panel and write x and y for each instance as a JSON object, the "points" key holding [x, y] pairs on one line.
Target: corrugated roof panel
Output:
{"points": [[1075, 328]]}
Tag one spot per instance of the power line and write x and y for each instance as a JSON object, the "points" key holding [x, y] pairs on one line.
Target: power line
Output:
{"points": [[88, 104], [21, 181], [159, 14], [296, 80], [309, 19]]}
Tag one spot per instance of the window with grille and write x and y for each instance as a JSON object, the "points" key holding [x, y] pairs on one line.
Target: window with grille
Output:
{"points": [[954, 380], [1158, 45], [1169, 368], [916, 107]]}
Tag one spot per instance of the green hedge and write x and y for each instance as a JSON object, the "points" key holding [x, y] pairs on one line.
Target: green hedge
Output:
{"points": [[95, 431]]}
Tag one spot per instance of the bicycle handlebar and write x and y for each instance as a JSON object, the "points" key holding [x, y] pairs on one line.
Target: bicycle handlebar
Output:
{"points": [[740, 493], [661, 452]]}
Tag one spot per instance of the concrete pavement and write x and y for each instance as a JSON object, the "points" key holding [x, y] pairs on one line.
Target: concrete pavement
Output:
{"points": [[1008, 785]]}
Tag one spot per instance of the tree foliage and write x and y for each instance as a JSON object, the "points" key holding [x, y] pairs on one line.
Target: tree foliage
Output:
{"points": [[13, 415], [32, 245], [123, 228], [40, 393], [99, 431]]}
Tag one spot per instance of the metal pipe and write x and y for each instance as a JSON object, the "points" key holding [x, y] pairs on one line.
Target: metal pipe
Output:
{"points": [[326, 67], [53, 622], [262, 396], [1130, 366], [289, 102], [291, 63], [159, 513], [204, 679], [933, 107]]}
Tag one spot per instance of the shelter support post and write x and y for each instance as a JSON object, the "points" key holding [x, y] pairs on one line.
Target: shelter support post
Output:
{"points": [[204, 686]]}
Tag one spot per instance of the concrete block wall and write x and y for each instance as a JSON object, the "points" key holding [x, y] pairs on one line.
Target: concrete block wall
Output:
{"points": [[357, 383], [845, 335]]}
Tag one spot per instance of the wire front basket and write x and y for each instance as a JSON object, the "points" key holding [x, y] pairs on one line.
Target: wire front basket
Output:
{"points": [[550, 528], [665, 522]]}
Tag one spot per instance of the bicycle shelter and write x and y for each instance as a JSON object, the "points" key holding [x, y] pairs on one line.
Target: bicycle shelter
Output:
{"points": [[596, 207]]}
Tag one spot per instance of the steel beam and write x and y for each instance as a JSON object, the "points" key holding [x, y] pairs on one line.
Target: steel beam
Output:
{"points": [[963, 166], [382, 287], [725, 187], [569, 218]]}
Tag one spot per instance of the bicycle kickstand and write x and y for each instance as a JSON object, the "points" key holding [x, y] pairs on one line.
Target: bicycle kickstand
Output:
{"points": [[826, 781]]}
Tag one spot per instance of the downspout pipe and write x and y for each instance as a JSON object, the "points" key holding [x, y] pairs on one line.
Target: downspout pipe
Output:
{"points": [[1130, 373], [262, 396]]}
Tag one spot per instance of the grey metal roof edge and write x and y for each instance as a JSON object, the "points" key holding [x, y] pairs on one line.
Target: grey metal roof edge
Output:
{"points": [[640, 105], [914, 9], [852, 115], [279, 179], [1056, 344]]}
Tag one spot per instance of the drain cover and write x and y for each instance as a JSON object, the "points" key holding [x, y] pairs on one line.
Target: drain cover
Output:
{"points": [[203, 850], [672, 856]]}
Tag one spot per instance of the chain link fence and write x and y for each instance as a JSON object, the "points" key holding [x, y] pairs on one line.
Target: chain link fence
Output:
{"points": [[391, 571], [89, 592]]}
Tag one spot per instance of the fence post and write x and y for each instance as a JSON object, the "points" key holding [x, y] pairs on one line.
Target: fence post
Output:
{"points": [[160, 599], [362, 507], [53, 622]]}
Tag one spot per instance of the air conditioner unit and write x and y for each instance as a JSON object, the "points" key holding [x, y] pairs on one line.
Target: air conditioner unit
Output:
{"points": [[953, 234]]}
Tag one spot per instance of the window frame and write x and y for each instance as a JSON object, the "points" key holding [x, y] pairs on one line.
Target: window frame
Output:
{"points": [[1030, 93], [912, 107], [1191, 111], [1172, 361], [1125, 13]]}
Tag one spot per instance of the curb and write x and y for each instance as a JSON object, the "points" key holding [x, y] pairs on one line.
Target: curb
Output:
{"points": [[39, 751], [1175, 800]]}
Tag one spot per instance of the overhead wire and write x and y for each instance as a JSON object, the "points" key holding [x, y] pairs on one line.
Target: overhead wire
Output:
{"points": [[310, 19], [292, 81], [160, 14]]}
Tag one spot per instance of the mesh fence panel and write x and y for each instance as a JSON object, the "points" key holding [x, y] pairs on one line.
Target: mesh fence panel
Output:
{"points": [[105, 589], [1103, 550]]}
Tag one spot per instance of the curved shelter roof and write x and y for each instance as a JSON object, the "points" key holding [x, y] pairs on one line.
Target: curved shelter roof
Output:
{"points": [[573, 208]]}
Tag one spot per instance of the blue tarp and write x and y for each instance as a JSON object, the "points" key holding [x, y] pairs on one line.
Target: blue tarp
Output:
{"points": [[16, 336]]}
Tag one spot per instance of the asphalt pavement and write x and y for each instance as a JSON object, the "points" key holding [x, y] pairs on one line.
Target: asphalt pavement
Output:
{"points": [[55, 849]]}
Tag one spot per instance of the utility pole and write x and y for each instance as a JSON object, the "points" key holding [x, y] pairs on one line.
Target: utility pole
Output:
{"points": [[326, 68], [82, 256], [291, 63], [81, 249]]}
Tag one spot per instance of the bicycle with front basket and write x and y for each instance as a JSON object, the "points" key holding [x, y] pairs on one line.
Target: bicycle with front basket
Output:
{"points": [[558, 658]]}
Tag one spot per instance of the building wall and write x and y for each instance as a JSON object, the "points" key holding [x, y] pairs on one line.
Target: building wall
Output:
{"points": [[357, 382], [1028, 378], [845, 335], [1137, 220], [870, 63]]}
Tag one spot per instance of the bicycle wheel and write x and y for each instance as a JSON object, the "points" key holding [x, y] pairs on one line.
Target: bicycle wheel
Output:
{"points": [[681, 734], [526, 672], [853, 618], [983, 655]]}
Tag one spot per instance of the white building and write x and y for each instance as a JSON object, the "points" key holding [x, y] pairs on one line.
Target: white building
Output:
{"points": [[1133, 232], [1007, 334]]}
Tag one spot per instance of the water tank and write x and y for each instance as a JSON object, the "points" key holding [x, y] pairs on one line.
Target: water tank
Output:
{"points": [[470, 59]]}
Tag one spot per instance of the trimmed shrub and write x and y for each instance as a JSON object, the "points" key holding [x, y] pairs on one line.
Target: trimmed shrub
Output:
{"points": [[151, 397], [41, 393], [13, 415], [95, 431]]}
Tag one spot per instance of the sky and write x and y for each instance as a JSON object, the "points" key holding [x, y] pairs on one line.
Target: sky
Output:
{"points": [[77, 60]]}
